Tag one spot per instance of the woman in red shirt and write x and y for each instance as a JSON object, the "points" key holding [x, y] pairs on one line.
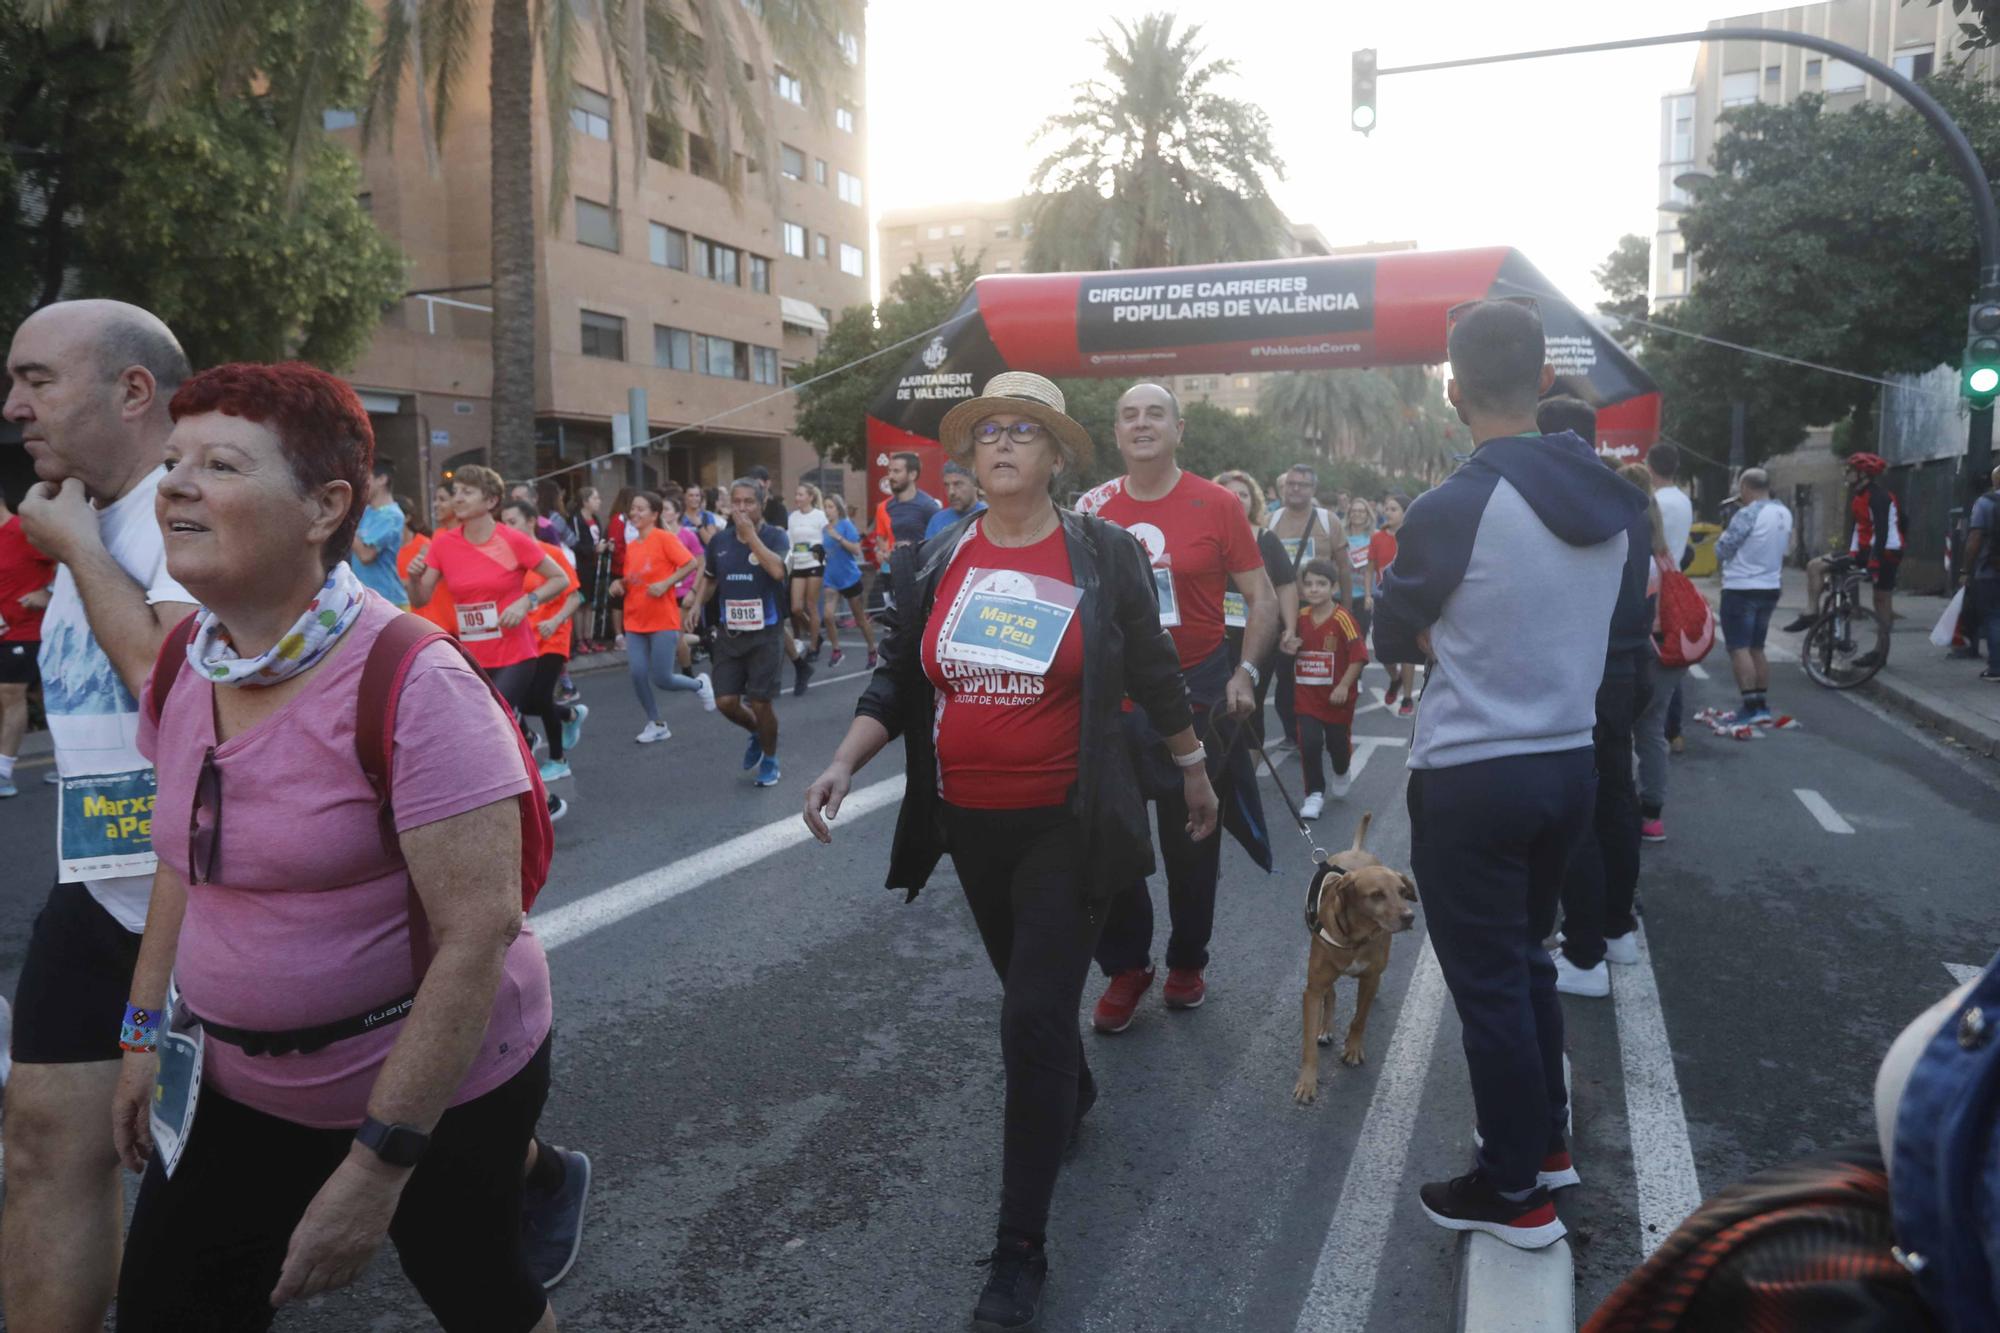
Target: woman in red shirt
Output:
{"points": [[1382, 554], [655, 567], [1004, 665], [1329, 658]]}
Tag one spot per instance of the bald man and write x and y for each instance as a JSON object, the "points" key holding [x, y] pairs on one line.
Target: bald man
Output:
{"points": [[89, 384]]}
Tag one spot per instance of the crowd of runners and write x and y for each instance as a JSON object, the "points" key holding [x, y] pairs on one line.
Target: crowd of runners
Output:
{"points": [[231, 608]]}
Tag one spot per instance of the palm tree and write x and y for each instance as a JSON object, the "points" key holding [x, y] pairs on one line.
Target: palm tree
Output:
{"points": [[1153, 167], [1338, 413], [664, 63]]}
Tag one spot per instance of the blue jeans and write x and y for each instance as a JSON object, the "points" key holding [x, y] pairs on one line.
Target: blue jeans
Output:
{"points": [[1489, 842], [651, 657], [1746, 616], [1984, 594]]}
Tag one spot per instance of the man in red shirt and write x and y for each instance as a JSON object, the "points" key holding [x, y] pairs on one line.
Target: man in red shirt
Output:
{"points": [[1201, 545], [25, 576]]}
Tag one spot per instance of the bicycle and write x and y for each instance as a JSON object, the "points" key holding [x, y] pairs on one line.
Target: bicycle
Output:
{"points": [[1829, 653]]}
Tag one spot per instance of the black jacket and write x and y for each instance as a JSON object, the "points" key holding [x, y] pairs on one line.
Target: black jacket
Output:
{"points": [[1125, 654]]}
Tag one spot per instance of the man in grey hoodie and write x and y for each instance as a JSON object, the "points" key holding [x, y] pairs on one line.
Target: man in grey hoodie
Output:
{"points": [[1506, 578]]}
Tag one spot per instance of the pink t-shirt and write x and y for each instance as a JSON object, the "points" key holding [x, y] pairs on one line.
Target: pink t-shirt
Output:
{"points": [[483, 581], [310, 920]]}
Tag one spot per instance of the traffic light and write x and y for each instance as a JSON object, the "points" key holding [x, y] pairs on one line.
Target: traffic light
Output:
{"points": [[1980, 376], [1364, 89]]}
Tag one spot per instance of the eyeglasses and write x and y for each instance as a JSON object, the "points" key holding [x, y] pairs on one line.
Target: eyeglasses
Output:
{"points": [[1022, 432], [1457, 312], [205, 820]]}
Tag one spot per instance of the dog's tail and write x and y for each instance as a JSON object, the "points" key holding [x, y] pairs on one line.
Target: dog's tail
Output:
{"points": [[1361, 833]]}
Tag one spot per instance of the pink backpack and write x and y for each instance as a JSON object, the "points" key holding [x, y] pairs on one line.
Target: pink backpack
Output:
{"points": [[1687, 623]]}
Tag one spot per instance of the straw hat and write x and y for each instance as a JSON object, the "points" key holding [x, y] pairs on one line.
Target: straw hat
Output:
{"points": [[1024, 394]]}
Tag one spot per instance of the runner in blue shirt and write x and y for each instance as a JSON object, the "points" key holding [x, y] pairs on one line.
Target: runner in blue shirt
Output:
{"points": [[745, 573], [380, 537], [843, 579]]}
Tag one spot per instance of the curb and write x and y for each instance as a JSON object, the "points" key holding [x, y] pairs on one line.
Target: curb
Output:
{"points": [[1505, 1290], [1962, 725]]}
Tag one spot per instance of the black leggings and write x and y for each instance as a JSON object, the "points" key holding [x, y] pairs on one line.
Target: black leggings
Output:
{"points": [[1022, 874], [206, 1247], [542, 700], [1314, 736]]}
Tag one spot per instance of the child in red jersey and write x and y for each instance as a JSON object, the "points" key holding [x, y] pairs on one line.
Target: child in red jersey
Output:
{"points": [[1328, 664]]}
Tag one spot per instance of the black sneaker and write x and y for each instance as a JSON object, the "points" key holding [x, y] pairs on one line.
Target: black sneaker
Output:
{"points": [[558, 807], [552, 1223], [802, 671], [1989, 674], [1015, 1272], [1469, 1203], [1805, 621]]}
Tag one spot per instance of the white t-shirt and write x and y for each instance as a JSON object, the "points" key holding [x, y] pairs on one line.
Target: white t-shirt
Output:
{"points": [[1676, 518], [806, 529], [93, 718], [1759, 563]]}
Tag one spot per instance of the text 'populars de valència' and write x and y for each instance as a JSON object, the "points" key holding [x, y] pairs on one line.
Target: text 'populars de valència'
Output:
{"points": [[1218, 300]]}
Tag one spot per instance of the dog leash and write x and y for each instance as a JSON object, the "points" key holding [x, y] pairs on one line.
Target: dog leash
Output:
{"points": [[1319, 853]]}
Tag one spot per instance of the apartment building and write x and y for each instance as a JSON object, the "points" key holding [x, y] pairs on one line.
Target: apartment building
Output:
{"points": [[1914, 39], [663, 280]]}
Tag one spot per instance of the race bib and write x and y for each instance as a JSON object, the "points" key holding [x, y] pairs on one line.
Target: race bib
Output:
{"points": [[743, 613], [1235, 611], [1007, 620], [177, 1088], [1170, 609], [478, 621], [1313, 669], [104, 825]]}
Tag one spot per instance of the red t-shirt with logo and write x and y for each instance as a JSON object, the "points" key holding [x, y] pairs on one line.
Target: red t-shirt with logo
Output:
{"points": [[1006, 740], [1197, 536], [1326, 650], [23, 569], [485, 580]]}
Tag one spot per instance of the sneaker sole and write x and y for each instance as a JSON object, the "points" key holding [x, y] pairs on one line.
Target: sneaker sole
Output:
{"points": [[1099, 1025], [1195, 1003], [1648, 837], [1521, 1238], [582, 1211], [1584, 994]]}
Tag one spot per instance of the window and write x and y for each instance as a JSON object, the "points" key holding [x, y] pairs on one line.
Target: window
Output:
{"points": [[819, 245], [850, 189], [672, 349], [795, 240], [603, 335], [702, 160], [1002, 229], [850, 48], [595, 225], [1677, 269], [791, 163], [760, 274], [1242, 381], [667, 246], [788, 85], [1772, 74], [764, 365], [843, 118], [1027, 230], [338, 118], [699, 262], [934, 233], [1680, 144], [590, 112], [1003, 266], [366, 201], [1842, 77], [1738, 89], [958, 229], [725, 260], [826, 314], [819, 172], [850, 260], [1915, 63], [716, 356]]}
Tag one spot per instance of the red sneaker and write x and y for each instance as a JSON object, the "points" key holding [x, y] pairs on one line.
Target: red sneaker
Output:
{"points": [[1120, 999], [1184, 989]]}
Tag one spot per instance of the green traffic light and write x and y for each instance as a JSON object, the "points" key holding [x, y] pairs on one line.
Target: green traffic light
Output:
{"points": [[1983, 381]]}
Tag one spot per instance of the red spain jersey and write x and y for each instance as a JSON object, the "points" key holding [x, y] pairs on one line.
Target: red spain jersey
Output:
{"points": [[1326, 650]]}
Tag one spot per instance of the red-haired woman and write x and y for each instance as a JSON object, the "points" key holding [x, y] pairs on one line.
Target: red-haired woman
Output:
{"points": [[293, 927]]}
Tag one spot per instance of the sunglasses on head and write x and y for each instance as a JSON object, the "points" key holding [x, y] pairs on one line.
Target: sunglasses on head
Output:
{"points": [[1457, 312], [1023, 432]]}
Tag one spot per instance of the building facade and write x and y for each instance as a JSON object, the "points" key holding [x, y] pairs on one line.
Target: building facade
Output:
{"points": [[1914, 39], [663, 279]]}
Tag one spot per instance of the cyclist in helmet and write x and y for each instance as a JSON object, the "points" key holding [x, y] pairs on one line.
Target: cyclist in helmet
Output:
{"points": [[1877, 543]]}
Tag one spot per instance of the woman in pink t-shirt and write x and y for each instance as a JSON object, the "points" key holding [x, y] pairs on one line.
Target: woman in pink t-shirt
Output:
{"points": [[288, 921]]}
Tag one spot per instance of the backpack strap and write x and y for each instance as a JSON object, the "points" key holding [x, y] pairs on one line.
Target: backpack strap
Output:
{"points": [[167, 666]]}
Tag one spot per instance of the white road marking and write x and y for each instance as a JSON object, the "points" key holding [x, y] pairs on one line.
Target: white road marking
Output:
{"points": [[1962, 972], [1343, 1285], [1662, 1156], [610, 905], [1698, 671], [849, 675], [1828, 817]]}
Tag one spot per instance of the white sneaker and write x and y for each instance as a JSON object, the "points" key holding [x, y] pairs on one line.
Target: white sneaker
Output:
{"points": [[1312, 806], [1622, 949], [1342, 784], [654, 731], [707, 691], [1593, 982]]}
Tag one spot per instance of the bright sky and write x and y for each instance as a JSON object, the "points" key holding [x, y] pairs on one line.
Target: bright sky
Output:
{"points": [[1557, 158]]}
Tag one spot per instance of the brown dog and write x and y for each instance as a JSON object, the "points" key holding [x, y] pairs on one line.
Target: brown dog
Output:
{"points": [[1355, 904]]}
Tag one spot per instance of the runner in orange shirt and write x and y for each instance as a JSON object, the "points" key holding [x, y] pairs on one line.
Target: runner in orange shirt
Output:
{"points": [[656, 564], [440, 610]]}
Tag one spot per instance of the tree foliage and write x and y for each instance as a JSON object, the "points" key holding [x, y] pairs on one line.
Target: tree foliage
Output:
{"points": [[205, 211], [1394, 418], [1626, 275], [1152, 166], [1978, 22], [1842, 238], [831, 413]]}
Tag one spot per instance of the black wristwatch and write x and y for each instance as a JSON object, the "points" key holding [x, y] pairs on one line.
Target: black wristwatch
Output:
{"points": [[397, 1145]]}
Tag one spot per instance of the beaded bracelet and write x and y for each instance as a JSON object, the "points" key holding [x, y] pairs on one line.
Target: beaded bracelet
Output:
{"points": [[140, 1032]]}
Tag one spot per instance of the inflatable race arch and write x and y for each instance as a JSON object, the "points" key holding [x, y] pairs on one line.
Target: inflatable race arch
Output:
{"points": [[1284, 314]]}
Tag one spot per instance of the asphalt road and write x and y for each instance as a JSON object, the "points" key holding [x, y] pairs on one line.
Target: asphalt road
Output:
{"points": [[790, 1085]]}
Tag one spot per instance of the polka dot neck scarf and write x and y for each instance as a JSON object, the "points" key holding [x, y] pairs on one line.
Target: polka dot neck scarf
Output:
{"points": [[326, 618]]}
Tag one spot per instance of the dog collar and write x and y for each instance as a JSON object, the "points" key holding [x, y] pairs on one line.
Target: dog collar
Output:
{"points": [[1338, 944]]}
